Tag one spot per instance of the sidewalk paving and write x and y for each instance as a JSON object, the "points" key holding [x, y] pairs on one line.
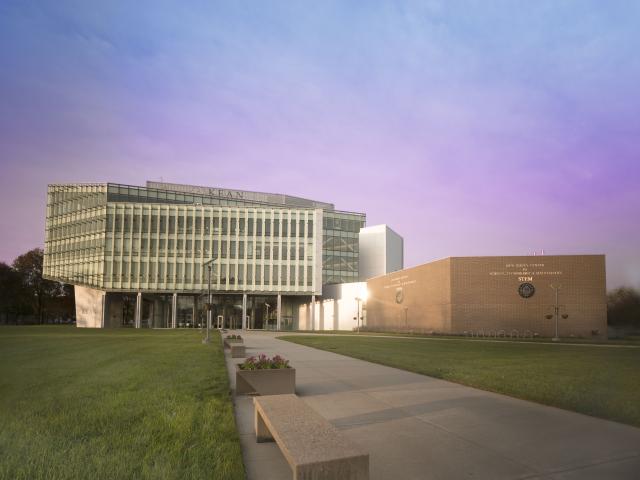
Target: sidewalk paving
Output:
{"points": [[418, 427]]}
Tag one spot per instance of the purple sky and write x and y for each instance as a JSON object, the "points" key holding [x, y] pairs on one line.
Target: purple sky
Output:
{"points": [[471, 128]]}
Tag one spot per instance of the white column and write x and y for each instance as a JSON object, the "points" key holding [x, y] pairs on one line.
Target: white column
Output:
{"points": [[174, 311], [244, 311], [104, 310], [313, 312], [138, 315], [279, 314]]}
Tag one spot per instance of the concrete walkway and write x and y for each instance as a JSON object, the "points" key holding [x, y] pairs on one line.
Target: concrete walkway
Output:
{"points": [[418, 427]]}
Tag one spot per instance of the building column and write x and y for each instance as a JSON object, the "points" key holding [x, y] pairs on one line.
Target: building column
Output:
{"points": [[313, 312], [244, 311], [174, 311], [279, 314], [138, 315], [253, 314], [104, 310]]}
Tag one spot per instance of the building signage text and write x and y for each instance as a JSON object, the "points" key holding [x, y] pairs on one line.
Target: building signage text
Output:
{"points": [[525, 272], [399, 282]]}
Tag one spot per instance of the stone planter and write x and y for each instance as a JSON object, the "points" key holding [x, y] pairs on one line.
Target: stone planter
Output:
{"points": [[265, 382], [237, 350], [235, 341]]}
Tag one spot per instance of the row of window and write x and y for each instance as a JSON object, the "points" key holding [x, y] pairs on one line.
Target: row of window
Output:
{"points": [[221, 274], [226, 226], [330, 222], [76, 228], [217, 248], [61, 203]]}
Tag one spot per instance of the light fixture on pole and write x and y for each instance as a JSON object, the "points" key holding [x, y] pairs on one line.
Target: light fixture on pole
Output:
{"points": [[358, 300], [556, 310], [210, 299]]}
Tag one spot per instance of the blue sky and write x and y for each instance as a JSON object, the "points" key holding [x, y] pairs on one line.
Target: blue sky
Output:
{"points": [[472, 128]]}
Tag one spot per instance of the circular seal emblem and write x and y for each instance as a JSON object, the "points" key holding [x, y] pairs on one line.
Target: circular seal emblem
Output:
{"points": [[526, 290], [399, 295]]}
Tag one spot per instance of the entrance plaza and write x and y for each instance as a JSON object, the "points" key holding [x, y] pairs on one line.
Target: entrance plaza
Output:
{"points": [[418, 427]]}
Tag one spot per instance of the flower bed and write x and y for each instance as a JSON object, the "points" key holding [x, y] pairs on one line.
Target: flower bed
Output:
{"points": [[265, 376], [262, 362]]}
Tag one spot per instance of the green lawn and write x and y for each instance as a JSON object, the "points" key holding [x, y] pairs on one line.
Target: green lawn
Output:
{"points": [[595, 380], [78, 403]]}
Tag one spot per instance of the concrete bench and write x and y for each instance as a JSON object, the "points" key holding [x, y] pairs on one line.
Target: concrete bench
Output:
{"points": [[314, 448], [237, 350]]}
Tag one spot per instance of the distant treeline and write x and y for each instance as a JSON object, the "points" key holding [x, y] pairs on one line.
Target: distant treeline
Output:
{"points": [[623, 308], [26, 297]]}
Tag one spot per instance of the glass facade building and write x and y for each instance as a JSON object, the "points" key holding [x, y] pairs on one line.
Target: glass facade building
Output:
{"points": [[166, 239]]}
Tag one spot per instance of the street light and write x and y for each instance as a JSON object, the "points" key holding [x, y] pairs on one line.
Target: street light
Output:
{"points": [[556, 310], [209, 304], [358, 300]]}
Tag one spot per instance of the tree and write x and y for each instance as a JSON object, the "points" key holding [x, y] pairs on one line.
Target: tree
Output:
{"points": [[10, 291], [623, 307], [39, 290]]}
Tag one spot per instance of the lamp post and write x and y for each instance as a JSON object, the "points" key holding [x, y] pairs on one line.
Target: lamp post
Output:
{"points": [[358, 300], [556, 310], [210, 299]]}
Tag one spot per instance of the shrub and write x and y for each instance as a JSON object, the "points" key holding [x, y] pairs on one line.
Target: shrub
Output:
{"points": [[233, 337], [262, 362], [623, 306]]}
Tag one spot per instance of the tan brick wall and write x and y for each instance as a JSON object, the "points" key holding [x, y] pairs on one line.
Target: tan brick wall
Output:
{"points": [[485, 294], [481, 294], [424, 293]]}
